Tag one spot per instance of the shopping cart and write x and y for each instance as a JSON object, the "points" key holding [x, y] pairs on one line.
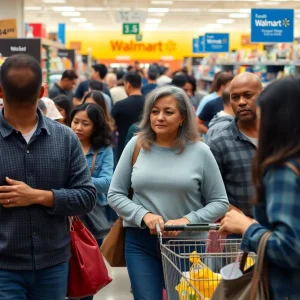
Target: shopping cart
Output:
{"points": [[191, 275]]}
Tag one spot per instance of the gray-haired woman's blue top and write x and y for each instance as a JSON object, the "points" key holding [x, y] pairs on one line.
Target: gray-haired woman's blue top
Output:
{"points": [[168, 184]]}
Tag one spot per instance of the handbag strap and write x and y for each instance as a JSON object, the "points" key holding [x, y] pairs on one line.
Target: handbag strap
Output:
{"points": [[135, 154], [259, 264], [293, 168], [94, 161]]}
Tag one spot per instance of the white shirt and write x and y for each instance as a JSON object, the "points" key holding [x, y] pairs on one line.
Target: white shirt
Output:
{"points": [[28, 136]]}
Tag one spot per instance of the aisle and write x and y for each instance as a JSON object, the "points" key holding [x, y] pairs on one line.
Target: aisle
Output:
{"points": [[119, 289]]}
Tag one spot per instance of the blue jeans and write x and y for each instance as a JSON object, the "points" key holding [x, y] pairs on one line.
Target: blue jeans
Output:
{"points": [[46, 284], [144, 264]]}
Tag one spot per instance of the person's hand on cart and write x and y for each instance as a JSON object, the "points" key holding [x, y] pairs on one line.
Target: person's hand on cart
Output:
{"points": [[152, 220], [181, 221]]}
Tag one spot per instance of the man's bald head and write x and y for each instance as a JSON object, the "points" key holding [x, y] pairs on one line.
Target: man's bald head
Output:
{"points": [[21, 80], [244, 91]]}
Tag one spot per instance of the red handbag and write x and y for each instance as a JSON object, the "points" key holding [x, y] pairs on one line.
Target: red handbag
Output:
{"points": [[87, 271]]}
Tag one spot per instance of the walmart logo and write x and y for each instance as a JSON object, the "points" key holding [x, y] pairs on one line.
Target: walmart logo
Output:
{"points": [[262, 21]]}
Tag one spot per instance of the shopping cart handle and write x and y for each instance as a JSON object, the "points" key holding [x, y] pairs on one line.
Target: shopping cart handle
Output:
{"points": [[192, 227]]}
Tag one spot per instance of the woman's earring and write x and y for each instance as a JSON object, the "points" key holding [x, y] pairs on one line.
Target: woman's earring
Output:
{"points": [[181, 125]]}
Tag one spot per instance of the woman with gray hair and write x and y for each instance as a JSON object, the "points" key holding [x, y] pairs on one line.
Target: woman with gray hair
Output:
{"points": [[172, 172]]}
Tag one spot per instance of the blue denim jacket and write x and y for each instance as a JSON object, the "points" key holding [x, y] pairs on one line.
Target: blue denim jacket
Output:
{"points": [[103, 172]]}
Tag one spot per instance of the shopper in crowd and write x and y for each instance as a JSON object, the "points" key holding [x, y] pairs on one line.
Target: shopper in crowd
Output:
{"points": [[89, 123], [111, 80], [52, 111], [168, 179], [99, 72], [42, 106], [165, 77], [276, 174], [1, 103], [95, 85], [223, 118], [129, 110], [96, 97], [234, 147], [118, 93], [187, 83], [152, 77], [44, 179], [64, 107], [65, 86], [222, 81]]}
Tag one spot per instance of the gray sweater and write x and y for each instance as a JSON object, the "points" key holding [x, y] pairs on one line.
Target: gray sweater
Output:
{"points": [[168, 184]]}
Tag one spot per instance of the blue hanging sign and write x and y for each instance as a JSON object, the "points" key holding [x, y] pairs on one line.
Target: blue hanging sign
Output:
{"points": [[216, 42], [201, 43], [272, 25], [195, 46]]}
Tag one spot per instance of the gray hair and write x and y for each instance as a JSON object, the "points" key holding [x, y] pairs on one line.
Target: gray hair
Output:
{"points": [[188, 133]]}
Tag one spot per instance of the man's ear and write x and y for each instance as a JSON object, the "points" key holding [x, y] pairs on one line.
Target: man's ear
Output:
{"points": [[42, 91]]}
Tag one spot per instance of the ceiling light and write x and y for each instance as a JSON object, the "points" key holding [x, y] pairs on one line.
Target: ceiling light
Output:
{"points": [[162, 2], [245, 10], [78, 20], [225, 21], [186, 10], [54, 1], [86, 25], [298, 16], [159, 10], [63, 8], [267, 3], [157, 14], [82, 8], [238, 16], [70, 13], [32, 8], [220, 10], [153, 21]]}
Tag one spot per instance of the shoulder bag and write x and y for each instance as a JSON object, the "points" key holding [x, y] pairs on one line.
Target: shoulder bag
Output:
{"points": [[113, 247], [96, 221], [253, 284]]}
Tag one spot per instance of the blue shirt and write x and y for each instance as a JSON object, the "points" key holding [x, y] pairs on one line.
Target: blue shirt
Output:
{"points": [[84, 87], [146, 89], [204, 101], [279, 212], [36, 237], [211, 109], [103, 172]]}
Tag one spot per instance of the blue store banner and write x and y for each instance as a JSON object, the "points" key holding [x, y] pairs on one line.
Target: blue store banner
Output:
{"points": [[201, 43], [272, 25], [195, 46], [61, 34], [216, 42]]}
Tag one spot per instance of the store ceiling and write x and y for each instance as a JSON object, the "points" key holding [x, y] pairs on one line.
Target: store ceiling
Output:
{"points": [[176, 15]]}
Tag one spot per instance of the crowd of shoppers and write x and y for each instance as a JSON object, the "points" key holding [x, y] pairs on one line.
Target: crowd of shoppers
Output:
{"points": [[249, 167]]}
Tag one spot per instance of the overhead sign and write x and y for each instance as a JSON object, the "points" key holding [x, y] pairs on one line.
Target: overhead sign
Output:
{"points": [[195, 46], [8, 28], [130, 16], [216, 42], [272, 25], [9, 47], [201, 43], [68, 55], [131, 28]]}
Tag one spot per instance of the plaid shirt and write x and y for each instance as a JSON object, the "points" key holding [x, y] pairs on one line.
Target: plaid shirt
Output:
{"points": [[234, 153], [36, 237], [279, 212]]}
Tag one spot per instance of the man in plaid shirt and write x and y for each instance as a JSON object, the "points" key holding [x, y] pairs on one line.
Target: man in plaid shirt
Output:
{"points": [[234, 146], [44, 178]]}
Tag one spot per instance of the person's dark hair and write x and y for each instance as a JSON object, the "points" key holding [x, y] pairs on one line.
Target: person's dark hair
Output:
{"points": [[134, 79], [164, 70], [179, 80], [153, 72], [120, 74], [96, 85], [21, 79], [192, 81], [42, 106], [220, 79], [279, 132], [101, 69], [64, 103], [129, 68], [102, 135], [69, 74], [184, 70], [226, 97]]}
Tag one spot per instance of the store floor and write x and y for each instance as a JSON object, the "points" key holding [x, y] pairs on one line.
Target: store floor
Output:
{"points": [[119, 289]]}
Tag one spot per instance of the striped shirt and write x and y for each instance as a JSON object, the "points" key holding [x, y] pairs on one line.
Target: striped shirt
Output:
{"points": [[234, 153], [37, 237]]}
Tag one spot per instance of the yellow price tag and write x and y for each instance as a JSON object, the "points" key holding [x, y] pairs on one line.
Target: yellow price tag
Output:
{"points": [[8, 28]]}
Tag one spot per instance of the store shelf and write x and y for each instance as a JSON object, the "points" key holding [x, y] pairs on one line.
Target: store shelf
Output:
{"points": [[49, 43], [259, 63]]}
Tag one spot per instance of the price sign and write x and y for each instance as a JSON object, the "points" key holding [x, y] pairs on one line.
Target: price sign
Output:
{"points": [[131, 28], [8, 28]]}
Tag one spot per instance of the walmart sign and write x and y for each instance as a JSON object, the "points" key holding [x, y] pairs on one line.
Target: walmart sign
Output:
{"points": [[216, 42], [272, 25]]}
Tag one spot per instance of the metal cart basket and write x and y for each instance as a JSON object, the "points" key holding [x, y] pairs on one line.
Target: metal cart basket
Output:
{"points": [[192, 267]]}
